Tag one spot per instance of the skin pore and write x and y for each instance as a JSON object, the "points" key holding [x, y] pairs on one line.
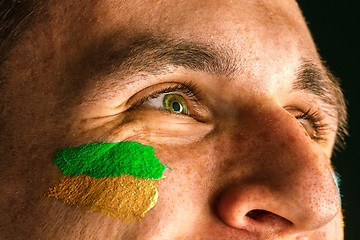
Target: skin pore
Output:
{"points": [[250, 161]]}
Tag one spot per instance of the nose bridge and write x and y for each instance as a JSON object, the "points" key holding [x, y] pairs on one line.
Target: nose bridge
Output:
{"points": [[287, 175], [280, 144]]}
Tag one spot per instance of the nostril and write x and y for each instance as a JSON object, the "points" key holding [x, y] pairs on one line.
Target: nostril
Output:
{"points": [[256, 214], [269, 219]]}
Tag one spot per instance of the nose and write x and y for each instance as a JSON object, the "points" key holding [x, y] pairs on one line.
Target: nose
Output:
{"points": [[284, 183]]}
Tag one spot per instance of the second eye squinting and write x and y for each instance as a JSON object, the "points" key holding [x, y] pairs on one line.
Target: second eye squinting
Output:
{"points": [[115, 179]]}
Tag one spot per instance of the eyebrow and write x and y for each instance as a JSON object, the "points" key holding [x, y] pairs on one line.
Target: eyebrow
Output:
{"points": [[155, 55], [311, 78]]}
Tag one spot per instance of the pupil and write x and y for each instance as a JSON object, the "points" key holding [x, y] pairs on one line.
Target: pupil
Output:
{"points": [[176, 107]]}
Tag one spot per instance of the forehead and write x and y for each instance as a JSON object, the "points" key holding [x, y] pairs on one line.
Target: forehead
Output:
{"points": [[262, 34], [242, 24], [185, 16]]}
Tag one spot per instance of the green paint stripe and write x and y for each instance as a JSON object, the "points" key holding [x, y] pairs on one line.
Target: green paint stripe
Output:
{"points": [[100, 160]]}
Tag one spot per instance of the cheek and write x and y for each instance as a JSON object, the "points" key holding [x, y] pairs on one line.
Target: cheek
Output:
{"points": [[125, 197], [196, 168], [333, 230]]}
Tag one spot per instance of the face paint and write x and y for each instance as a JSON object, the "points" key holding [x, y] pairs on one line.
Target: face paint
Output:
{"points": [[125, 197], [100, 160], [116, 179]]}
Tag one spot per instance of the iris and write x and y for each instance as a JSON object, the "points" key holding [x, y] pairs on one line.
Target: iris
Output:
{"points": [[175, 103]]}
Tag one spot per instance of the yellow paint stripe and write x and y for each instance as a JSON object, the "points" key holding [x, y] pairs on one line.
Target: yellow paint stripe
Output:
{"points": [[125, 197]]}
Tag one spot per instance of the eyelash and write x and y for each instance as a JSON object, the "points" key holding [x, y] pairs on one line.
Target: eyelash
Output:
{"points": [[189, 89], [316, 123]]}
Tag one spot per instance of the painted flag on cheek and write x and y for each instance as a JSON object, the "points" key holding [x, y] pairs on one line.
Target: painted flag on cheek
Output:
{"points": [[115, 179]]}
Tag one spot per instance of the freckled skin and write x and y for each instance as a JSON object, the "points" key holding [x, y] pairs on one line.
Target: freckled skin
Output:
{"points": [[252, 154]]}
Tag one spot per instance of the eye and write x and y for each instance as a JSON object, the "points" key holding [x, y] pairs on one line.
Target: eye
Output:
{"points": [[177, 98], [313, 124], [171, 102], [183, 99]]}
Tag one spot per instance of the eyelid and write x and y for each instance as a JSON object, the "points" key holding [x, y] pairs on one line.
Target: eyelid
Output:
{"points": [[188, 90], [315, 120]]}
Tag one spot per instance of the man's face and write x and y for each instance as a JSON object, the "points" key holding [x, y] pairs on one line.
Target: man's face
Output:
{"points": [[251, 157]]}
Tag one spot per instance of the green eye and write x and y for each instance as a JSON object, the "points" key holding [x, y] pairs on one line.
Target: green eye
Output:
{"points": [[175, 103]]}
